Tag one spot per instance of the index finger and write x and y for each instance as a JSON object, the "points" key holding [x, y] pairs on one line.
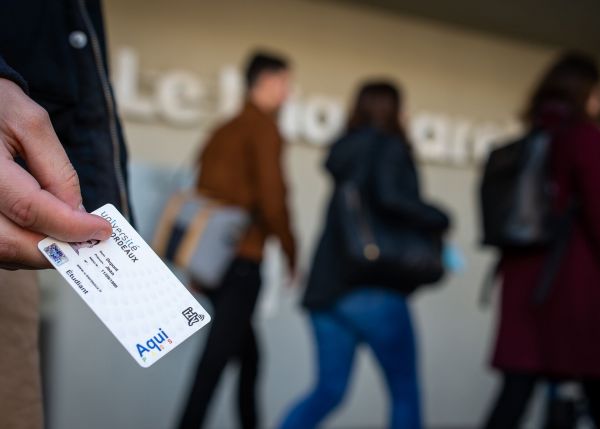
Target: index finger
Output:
{"points": [[38, 145]]}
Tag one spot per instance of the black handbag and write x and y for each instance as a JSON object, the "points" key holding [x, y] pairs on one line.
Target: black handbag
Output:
{"points": [[379, 248]]}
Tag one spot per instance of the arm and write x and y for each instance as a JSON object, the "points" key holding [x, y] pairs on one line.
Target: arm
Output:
{"points": [[272, 191], [397, 190]]}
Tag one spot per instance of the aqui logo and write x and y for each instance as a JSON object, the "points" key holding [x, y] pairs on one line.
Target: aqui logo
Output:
{"points": [[154, 344]]}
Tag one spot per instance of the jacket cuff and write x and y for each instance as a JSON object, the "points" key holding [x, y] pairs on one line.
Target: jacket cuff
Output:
{"points": [[7, 72]]}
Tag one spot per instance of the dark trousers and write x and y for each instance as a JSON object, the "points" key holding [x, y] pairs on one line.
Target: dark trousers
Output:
{"points": [[231, 337], [516, 392]]}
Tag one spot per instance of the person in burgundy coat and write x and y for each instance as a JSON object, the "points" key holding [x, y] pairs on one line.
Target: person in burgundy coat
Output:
{"points": [[558, 339]]}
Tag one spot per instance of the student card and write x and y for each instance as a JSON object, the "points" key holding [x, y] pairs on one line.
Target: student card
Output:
{"points": [[129, 288]]}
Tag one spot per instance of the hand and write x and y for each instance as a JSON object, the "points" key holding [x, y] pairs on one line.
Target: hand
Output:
{"points": [[46, 200]]}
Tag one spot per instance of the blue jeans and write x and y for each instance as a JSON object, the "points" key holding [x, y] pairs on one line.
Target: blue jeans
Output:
{"points": [[380, 319]]}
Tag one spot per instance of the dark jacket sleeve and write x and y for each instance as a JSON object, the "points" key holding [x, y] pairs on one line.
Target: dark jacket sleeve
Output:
{"points": [[397, 190], [6, 72]]}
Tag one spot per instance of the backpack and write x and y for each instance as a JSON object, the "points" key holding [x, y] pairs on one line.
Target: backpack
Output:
{"points": [[516, 197], [516, 194]]}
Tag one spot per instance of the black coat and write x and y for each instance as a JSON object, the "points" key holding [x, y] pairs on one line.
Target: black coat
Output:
{"points": [[384, 164], [55, 50]]}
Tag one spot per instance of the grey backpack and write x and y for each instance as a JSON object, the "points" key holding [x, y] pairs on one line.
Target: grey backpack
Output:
{"points": [[200, 235]]}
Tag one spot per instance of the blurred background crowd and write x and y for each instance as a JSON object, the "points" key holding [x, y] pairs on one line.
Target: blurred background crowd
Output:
{"points": [[457, 76]]}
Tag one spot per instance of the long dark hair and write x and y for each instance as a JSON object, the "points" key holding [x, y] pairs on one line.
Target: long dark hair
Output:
{"points": [[378, 105], [568, 83]]}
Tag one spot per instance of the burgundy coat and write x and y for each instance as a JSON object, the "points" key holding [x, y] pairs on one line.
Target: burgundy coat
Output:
{"points": [[560, 337]]}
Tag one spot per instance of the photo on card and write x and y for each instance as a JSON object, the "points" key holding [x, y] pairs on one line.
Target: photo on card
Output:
{"points": [[83, 244]]}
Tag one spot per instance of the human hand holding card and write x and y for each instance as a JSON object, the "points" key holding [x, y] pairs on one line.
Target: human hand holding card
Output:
{"points": [[129, 288]]}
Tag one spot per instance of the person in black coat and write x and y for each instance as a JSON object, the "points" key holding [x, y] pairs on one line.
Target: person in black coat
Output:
{"points": [[374, 151]]}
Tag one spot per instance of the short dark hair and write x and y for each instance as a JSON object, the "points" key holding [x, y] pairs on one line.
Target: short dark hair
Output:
{"points": [[261, 62], [569, 81]]}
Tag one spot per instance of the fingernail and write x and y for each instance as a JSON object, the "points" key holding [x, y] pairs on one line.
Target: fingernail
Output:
{"points": [[101, 235], [82, 208]]}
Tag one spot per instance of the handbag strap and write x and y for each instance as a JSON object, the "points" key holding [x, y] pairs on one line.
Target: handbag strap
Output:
{"points": [[172, 210], [485, 295], [196, 228], [553, 261], [166, 222]]}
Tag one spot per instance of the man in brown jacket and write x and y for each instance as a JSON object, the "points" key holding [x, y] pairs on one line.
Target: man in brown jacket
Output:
{"points": [[241, 165]]}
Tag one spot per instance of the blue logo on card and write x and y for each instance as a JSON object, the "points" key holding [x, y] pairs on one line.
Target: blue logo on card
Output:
{"points": [[154, 344]]}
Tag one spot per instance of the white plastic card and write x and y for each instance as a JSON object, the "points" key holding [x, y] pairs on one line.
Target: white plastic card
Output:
{"points": [[129, 288]]}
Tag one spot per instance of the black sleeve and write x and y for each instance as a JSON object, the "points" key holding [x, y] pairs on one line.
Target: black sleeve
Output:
{"points": [[397, 190], [6, 72]]}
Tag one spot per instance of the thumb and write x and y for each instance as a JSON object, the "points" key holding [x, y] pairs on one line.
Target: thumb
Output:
{"points": [[36, 209], [34, 138]]}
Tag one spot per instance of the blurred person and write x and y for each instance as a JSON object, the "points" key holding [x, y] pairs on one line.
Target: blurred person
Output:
{"points": [[241, 166], [559, 338], [60, 139], [343, 316]]}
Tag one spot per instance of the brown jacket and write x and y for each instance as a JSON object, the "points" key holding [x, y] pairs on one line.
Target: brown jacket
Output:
{"points": [[241, 165]]}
